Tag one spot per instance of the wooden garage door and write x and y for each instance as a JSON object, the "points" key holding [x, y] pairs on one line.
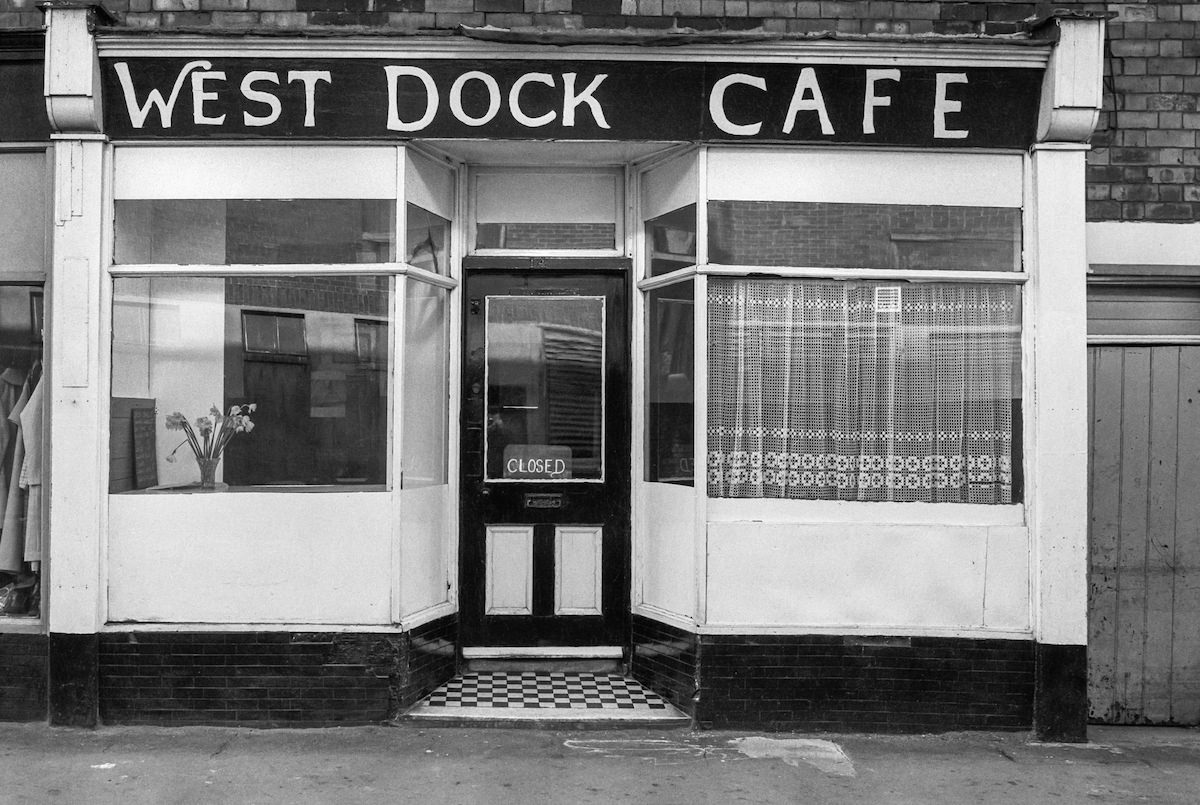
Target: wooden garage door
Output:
{"points": [[1144, 535]]}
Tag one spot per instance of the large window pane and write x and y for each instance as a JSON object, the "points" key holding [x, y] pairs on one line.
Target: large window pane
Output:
{"points": [[670, 394], [545, 387], [255, 231], [290, 345], [866, 391], [426, 375], [671, 239], [897, 236], [546, 210], [427, 240]]}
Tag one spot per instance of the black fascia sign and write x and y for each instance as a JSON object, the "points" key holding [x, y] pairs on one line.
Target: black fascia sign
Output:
{"points": [[720, 102]]}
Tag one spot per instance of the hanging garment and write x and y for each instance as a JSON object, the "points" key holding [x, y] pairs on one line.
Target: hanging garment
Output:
{"points": [[31, 472], [11, 381], [12, 536]]}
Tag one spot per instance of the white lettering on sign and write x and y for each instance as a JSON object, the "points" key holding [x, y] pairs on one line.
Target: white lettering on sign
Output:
{"points": [[200, 95], [571, 101], [259, 96], [807, 97], [456, 89], [154, 100], [872, 100], [942, 106], [310, 78], [716, 104], [548, 467]]}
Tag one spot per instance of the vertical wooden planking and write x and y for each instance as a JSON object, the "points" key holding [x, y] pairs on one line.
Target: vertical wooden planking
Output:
{"points": [[1104, 527], [1186, 661], [1160, 533], [1131, 539]]}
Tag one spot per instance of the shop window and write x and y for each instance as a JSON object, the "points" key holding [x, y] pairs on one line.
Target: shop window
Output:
{"points": [[670, 393], [23, 532], [424, 430], [896, 236], [532, 211], [427, 240], [292, 346], [864, 391], [255, 231], [671, 240], [23, 211]]}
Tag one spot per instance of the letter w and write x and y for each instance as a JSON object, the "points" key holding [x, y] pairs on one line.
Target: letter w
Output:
{"points": [[138, 115]]}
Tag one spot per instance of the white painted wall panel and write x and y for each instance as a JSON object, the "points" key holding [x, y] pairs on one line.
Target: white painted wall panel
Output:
{"points": [[237, 557], [830, 575], [666, 546], [1006, 584], [258, 172], [429, 185], [578, 570], [423, 534], [670, 186], [857, 176], [509, 587]]}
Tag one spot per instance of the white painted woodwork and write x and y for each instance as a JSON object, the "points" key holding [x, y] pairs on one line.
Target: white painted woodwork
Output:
{"points": [[669, 186], [78, 443], [293, 171], [666, 547], [859, 176], [428, 184], [578, 570], [72, 69], [542, 652], [547, 196], [250, 557], [424, 576], [1072, 86], [1139, 243], [838, 575], [1056, 310], [23, 211], [509, 586]]}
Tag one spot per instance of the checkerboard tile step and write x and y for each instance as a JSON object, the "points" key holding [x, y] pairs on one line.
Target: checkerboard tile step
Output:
{"points": [[544, 695]]}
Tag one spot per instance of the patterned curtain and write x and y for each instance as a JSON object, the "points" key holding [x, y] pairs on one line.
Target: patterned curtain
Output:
{"points": [[870, 391]]}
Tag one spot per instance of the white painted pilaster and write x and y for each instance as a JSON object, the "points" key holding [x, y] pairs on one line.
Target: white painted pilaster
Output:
{"points": [[1056, 316], [77, 436]]}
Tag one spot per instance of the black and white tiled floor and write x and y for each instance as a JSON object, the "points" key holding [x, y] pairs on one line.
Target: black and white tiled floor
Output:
{"points": [[545, 695]]}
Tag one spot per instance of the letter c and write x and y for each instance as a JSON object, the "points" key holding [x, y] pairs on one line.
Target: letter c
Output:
{"points": [[716, 104], [514, 100]]}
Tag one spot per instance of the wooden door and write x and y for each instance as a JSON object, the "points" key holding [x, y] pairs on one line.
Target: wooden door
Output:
{"points": [[545, 458]]}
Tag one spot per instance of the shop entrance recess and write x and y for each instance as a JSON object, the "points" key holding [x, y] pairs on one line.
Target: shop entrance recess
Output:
{"points": [[545, 453]]}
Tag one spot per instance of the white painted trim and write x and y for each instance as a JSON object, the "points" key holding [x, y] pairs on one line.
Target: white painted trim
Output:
{"points": [[1012, 277], [1137, 243], [22, 624], [1144, 340], [766, 510], [865, 630], [310, 171], [663, 616], [118, 627], [541, 652], [662, 280], [845, 175], [899, 53], [423, 616]]}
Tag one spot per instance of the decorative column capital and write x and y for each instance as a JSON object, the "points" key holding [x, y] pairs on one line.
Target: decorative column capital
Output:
{"points": [[72, 65], [1073, 87]]}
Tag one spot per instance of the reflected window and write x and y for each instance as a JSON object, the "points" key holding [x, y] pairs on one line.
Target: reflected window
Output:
{"points": [[545, 388], [671, 239], [670, 392], [427, 240]]}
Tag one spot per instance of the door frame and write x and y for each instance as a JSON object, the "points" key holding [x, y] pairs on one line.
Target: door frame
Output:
{"points": [[622, 470]]}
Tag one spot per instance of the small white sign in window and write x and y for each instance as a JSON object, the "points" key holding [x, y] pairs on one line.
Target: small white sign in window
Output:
{"points": [[887, 299]]}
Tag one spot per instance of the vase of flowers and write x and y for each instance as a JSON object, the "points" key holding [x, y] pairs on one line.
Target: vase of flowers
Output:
{"points": [[209, 435]]}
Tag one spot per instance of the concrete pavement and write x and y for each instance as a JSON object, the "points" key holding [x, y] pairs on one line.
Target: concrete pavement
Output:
{"points": [[407, 763]]}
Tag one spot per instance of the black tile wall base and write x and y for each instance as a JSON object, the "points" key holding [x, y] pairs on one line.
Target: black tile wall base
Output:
{"points": [[270, 679], [23, 664], [838, 683], [1060, 695], [73, 679]]}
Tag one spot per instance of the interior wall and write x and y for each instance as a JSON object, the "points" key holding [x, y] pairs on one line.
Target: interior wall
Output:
{"points": [[23, 211]]}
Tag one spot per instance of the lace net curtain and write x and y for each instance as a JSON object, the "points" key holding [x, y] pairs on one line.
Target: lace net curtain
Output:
{"points": [[862, 390]]}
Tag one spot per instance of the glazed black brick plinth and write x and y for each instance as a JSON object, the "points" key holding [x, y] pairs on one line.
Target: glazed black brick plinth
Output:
{"points": [[23, 669], [665, 660], [865, 684], [72, 688], [270, 679], [1060, 699]]}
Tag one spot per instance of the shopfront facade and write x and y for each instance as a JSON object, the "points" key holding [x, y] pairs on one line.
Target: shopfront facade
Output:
{"points": [[761, 366]]}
